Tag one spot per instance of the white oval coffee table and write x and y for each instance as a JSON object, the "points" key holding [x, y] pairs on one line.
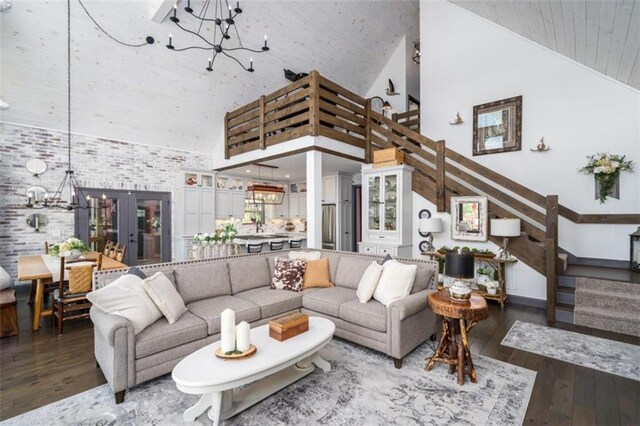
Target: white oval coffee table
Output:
{"points": [[274, 366]]}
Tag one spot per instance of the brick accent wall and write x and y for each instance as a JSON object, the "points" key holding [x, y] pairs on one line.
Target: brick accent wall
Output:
{"points": [[97, 162]]}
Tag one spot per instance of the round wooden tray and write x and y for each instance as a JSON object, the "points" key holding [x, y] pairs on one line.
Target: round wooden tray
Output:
{"points": [[247, 354]]}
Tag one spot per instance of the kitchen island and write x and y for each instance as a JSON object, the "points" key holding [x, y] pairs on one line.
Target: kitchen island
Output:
{"points": [[266, 238]]}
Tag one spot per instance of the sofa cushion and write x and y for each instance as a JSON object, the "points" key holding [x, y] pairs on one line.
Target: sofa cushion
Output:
{"points": [[424, 275], [202, 281], [334, 260], [248, 272], [395, 281], [372, 314], [210, 309], [328, 300], [350, 271], [272, 302], [161, 335]]}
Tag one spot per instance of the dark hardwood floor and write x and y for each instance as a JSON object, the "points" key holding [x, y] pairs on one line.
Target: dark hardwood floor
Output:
{"points": [[40, 368]]}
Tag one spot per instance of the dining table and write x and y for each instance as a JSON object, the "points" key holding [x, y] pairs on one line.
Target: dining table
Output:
{"points": [[33, 268]]}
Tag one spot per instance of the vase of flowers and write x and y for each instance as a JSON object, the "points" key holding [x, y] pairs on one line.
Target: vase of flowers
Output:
{"points": [[606, 169], [198, 241], [492, 287], [72, 248], [227, 235]]}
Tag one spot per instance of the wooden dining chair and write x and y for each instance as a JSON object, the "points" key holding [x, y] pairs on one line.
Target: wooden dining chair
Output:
{"points": [[276, 245], [107, 248], [254, 248], [46, 247], [112, 251], [70, 298], [295, 244], [121, 250]]}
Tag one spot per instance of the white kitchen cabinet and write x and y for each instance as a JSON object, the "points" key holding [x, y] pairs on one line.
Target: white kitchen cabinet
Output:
{"points": [[329, 189], [387, 207], [281, 211], [195, 204], [302, 205], [293, 205], [229, 204]]}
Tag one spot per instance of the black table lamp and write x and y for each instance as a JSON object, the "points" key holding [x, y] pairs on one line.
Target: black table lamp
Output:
{"points": [[459, 265]]}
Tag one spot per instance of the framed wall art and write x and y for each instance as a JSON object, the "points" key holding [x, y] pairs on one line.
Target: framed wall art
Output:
{"points": [[497, 126]]}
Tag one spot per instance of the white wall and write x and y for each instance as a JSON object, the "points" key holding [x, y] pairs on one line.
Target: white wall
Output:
{"points": [[396, 70], [468, 61]]}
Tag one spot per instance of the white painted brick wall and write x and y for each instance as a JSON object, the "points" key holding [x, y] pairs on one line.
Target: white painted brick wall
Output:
{"points": [[98, 163]]}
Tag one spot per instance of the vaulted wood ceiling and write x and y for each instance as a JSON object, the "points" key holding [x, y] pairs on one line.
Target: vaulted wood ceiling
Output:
{"points": [[154, 96], [601, 34]]}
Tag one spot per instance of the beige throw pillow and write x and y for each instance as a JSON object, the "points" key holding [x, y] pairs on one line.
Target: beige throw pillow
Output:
{"points": [[395, 282], [126, 297], [369, 282], [165, 296], [316, 274]]}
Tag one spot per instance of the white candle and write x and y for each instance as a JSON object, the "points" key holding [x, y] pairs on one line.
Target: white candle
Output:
{"points": [[242, 336], [228, 330]]}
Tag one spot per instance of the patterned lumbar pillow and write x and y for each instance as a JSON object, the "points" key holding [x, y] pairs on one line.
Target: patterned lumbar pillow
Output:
{"points": [[288, 274], [165, 296]]}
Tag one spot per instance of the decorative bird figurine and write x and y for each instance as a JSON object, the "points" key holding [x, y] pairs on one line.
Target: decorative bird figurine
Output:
{"points": [[391, 90]]}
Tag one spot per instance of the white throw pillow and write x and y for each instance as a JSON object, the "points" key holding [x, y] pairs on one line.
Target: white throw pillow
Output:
{"points": [[126, 297], [369, 282], [5, 279], [165, 296], [395, 282], [305, 255]]}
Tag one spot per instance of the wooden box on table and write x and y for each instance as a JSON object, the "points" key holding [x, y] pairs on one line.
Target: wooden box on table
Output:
{"points": [[288, 326]]}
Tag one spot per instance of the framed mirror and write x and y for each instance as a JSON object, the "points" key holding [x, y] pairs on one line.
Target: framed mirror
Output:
{"points": [[36, 166], [36, 196], [497, 126], [469, 218]]}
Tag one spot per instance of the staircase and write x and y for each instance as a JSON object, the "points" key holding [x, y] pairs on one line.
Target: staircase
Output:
{"points": [[317, 106]]}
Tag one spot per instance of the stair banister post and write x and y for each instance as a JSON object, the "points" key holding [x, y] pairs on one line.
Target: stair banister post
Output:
{"points": [[226, 136], [263, 137], [551, 253], [314, 103], [367, 142], [441, 204]]}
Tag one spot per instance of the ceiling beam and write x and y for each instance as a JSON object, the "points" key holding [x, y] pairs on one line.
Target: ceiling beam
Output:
{"points": [[161, 10]]}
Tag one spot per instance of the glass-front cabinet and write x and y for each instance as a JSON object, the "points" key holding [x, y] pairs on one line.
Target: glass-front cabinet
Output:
{"points": [[387, 219]]}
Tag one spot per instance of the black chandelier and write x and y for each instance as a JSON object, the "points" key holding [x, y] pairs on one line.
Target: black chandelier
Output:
{"points": [[223, 25]]}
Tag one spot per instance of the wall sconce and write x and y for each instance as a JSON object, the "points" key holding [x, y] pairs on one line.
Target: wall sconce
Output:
{"points": [[541, 147], [457, 120], [386, 106], [416, 52], [505, 228], [36, 220], [427, 225]]}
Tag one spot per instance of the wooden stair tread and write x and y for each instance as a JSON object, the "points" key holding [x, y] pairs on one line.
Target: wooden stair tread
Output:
{"points": [[565, 307], [565, 289], [613, 274]]}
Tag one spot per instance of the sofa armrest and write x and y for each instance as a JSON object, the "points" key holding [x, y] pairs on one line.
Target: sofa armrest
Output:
{"points": [[410, 305], [108, 324], [114, 348]]}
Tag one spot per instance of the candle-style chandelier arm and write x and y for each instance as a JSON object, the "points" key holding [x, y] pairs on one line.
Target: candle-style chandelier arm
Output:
{"points": [[194, 33], [243, 48], [250, 69], [193, 47]]}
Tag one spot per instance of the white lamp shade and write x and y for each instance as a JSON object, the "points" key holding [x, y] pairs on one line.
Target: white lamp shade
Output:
{"points": [[505, 227], [431, 224]]}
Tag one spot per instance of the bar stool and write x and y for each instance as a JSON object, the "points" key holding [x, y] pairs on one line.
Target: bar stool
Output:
{"points": [[254, 248], [276, 245], [295, 244]]}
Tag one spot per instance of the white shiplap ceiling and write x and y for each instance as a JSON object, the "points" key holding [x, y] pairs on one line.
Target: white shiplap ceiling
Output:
{"points": [[602, 34], [154, 96]]}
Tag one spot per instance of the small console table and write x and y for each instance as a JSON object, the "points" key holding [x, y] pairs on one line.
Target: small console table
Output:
{"points": [[495, 262], [457, 319]]}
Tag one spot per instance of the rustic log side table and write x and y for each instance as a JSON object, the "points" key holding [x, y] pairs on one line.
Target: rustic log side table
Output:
{"points": [[457, 319]]}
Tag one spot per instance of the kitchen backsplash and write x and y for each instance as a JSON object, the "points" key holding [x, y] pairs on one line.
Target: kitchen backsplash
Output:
{"points": [[270, 226]]}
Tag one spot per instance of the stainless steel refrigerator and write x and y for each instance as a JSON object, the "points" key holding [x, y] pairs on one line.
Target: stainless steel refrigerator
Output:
{"points": [[329, 226]]}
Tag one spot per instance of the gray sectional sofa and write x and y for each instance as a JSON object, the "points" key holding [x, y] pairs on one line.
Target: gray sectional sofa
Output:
{"points": [[242, 283]]}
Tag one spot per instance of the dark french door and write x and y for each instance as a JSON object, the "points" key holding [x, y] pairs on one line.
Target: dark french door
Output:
{"points": [[141, 220]]}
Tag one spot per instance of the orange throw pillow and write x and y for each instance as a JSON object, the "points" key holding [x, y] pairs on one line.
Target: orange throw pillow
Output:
{"points": [[317, 274]]}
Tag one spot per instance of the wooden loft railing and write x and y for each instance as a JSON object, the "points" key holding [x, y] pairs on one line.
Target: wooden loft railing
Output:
{"points": [[316, 106], [312, 106]]}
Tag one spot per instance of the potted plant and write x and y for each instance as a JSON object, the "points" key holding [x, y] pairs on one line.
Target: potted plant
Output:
{"points": [[606, 169], [72, 248], [485, 275], [492, 287]]}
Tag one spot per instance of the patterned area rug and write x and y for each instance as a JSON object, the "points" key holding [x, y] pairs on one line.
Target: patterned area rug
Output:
{"points": [[363, 388], [619, 358]]}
